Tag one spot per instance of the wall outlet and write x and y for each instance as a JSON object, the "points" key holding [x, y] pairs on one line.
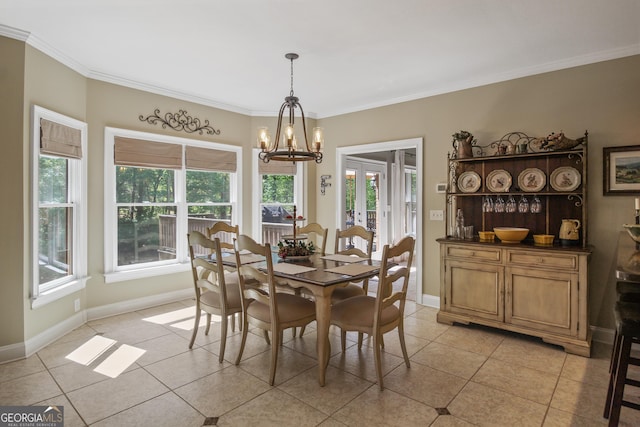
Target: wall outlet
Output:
{"points": [[436, 215], [76, 304]]}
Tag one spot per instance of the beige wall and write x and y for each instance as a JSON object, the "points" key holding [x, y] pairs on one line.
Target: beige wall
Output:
{"points": [[602, 98], [51, 85], [13, 248]]}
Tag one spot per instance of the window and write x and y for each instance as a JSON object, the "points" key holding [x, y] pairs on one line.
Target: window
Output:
{"points": [[157, 189], [59, 215], [279, 187]]}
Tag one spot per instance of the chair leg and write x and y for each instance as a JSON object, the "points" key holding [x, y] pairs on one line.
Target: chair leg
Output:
{"points": [[266, 336], [343, 339], [223, 337], [403, 345], [302, 330], [376, 354], [195, 328], [620, 377], [360, 335], [206, 331], [293, 332], [613, 367], [245, 329], [233, 323], [277, 338]]}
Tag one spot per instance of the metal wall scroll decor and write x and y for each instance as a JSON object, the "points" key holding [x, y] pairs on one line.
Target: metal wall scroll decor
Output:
{"points": [[180, 121]]}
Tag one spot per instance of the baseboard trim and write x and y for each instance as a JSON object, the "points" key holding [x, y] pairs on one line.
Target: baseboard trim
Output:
{"points": [[602, 335], [431, 301], [25, 349], [137, 304]]}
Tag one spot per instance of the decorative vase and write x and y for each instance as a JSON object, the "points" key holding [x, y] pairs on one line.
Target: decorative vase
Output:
{"points": [[464, 147]]}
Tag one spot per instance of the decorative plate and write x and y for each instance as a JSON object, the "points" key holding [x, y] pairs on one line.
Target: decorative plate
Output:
{"points": [[499, 181], [469, 182], [565, 178], [532, 180]]}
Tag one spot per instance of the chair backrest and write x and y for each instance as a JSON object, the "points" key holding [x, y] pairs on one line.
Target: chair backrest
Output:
{"points": [[389, 275], [318, 230], [355, 231], [207, 273], [248, 272], [225, 232]]}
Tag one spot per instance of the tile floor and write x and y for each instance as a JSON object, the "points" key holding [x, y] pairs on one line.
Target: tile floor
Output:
{"points": [[459, 376]]}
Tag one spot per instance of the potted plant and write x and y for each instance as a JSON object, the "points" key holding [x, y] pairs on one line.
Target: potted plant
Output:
{"points": [[293, 250]]}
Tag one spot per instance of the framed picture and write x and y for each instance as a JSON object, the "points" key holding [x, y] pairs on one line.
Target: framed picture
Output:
{"points": [[621, 170]]}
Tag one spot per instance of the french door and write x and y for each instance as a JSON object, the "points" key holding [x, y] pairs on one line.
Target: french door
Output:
{"points": [[365, 190]]}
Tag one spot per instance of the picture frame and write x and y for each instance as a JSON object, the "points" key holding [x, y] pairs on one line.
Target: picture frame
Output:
{"points": [[621, 170]]}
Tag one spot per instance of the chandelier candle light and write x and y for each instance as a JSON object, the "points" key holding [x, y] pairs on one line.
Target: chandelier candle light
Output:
{"points": [[290, 152]]}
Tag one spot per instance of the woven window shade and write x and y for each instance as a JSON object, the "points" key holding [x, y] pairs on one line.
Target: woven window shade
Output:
{"points": [[209, 159], [147, 154], [277, 168], [60, 140]]}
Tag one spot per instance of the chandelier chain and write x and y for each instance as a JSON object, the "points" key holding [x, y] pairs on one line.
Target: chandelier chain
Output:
{"points": [[291, 93]]}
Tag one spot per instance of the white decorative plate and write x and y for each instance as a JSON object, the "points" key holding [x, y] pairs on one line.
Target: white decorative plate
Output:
{"points": [[499, 181], [565, 178], [469, 182], [532, 180]]}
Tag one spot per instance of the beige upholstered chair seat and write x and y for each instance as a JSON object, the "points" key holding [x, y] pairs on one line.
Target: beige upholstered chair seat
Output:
{"points": [[290, 308], [359, 313], [212, 299]]}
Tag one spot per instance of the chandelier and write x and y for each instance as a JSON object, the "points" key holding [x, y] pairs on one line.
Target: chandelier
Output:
{"points": [[287, 149]]}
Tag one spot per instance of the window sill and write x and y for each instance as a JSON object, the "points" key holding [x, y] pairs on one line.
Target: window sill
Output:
{"points": [[121, 276], [59, 292]]}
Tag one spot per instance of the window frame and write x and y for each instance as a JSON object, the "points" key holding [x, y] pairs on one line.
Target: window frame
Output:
{"points": [[114, 273], [298, 197], [41, 295]]}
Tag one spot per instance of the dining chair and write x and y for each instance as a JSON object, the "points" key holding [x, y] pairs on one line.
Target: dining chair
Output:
{"points": [[266, 308], [378, 315], [226, 233], [318, 231], [342, 237], [217, 291]]}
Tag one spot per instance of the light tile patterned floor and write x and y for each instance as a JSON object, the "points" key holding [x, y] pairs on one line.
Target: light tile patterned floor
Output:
{"points": [[459, 376]]}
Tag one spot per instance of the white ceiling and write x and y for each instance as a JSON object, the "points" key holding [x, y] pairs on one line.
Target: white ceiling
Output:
{"points": [[354, 54]]}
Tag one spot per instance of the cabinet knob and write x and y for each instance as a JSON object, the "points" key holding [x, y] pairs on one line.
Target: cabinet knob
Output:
{"points": [[540, 260]]}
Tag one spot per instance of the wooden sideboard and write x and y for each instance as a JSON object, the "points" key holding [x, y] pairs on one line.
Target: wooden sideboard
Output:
{"points": [[534, 290]]}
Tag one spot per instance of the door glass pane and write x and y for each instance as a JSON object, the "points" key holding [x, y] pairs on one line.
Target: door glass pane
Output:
{"points": [[54, 240], [350, 196], [372, 186]]}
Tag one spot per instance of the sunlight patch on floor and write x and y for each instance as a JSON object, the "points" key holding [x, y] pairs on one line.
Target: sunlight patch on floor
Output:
{"points": [[119, 361], [171, 316], [91, 350]]}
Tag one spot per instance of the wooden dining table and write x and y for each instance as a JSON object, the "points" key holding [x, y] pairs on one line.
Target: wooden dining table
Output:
{"points": [[321, 281]]}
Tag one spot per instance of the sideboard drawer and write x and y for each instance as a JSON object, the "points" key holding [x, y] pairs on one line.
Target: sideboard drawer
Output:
{"points": [[543, 259], [474, 252]]}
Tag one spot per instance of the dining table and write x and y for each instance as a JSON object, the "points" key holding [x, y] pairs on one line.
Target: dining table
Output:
{"points": [[320, 275]]}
